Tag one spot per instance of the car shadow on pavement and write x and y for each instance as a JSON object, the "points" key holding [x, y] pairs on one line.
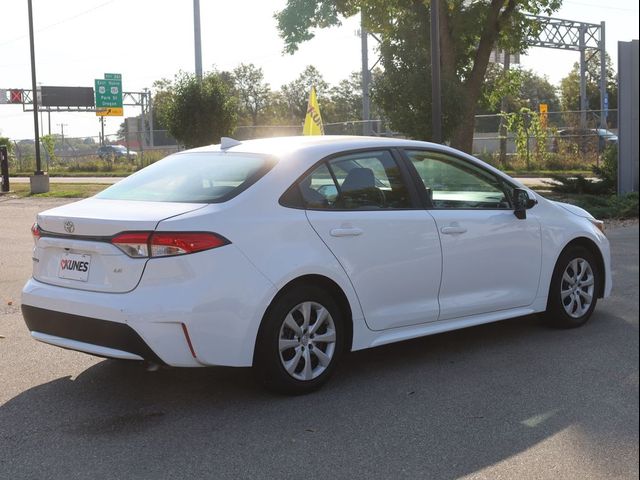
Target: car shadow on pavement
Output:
{"points": [[443, 406]]}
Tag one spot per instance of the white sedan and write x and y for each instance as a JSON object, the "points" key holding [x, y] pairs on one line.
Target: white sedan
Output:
{"points": [[284, 253]]}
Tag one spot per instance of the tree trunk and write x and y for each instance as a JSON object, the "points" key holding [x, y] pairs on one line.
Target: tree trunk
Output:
{"points": [[462, 137]]}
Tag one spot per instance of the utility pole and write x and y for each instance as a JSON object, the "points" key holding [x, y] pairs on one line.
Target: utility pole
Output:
{"points": [[39, 181], [436, 97], [583, 79], [366, 78], [197, 39], [149, 116], [503, 110], [604, 100], [62, 125]]}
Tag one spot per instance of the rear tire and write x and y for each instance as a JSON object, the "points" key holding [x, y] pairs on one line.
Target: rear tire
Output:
{"points": [[574, 289], [300, 341]]}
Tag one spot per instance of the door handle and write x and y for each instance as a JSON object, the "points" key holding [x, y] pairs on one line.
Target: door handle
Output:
{"points": [[453, 230], [346, 232]]}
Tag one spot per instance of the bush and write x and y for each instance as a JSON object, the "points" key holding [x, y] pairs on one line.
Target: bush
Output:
{"points": [[603, 206], [578, 184], [607, 177], [608, 172]]}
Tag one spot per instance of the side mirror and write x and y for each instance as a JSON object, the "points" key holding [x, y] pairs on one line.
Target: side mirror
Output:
{"points": [[522, 202]]}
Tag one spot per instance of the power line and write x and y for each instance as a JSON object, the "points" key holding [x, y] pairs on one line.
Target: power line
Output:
{"points": [[604, 7], [64, 20]]}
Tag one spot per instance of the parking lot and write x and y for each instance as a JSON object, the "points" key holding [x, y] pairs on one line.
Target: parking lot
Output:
{"points": [[508, 400]]}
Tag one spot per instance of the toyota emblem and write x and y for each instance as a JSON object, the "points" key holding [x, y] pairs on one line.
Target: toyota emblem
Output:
{"points": [[69, 226]]}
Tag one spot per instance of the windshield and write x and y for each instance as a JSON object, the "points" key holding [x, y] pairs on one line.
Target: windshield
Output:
{"points": [[203, 177]]}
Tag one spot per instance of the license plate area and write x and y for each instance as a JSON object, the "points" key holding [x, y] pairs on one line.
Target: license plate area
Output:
{"points": [[74, 266]]}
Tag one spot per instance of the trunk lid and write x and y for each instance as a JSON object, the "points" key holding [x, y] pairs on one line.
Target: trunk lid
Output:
{"points": [[75, 250]]}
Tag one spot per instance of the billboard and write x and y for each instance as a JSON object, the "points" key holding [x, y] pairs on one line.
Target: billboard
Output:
{"points": [[67, 96]]}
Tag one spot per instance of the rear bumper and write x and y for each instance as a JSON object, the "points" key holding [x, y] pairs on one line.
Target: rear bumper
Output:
{"points": [[98, 337], [214, 300]]}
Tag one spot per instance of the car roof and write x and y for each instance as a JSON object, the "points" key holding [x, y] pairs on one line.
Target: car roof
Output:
{"points": [[307, 150], [315, 146]]}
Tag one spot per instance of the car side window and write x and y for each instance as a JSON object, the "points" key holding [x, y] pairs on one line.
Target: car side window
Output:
{"points": [[318, 190], [359, 181], [455, 183], [369, 181]]}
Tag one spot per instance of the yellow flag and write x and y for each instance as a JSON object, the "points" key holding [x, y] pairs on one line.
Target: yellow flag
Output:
{"points": [[313, 120]]}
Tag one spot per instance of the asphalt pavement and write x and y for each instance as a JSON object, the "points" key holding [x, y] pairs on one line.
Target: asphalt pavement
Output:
{"points": [[510, 400]]}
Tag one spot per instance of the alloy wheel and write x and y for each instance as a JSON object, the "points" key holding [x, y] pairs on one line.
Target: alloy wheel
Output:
{"points": [[307, 341], [577, 287]]}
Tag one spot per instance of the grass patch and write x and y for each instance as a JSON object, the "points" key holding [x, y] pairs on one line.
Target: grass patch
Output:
{"points": [[60, 190], [547, 173], [115, 173], [602, 206]]}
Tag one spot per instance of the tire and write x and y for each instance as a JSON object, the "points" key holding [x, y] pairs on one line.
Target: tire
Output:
{"points": [[310, 350], [574, 289]]}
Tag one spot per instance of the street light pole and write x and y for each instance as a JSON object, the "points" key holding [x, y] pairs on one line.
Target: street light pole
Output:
{"points": [[196, 38], [34, 91], [436, 99], [39, 181]]}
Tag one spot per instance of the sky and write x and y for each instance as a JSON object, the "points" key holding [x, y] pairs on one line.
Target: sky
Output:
{"points": [[77, 41]]}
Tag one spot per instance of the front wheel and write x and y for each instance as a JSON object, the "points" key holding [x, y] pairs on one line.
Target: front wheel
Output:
{"points": [[574, 289], [300, 341]]}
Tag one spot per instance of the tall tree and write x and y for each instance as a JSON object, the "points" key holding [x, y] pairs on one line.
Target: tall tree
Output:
{"points": [[251, 90], [468, 33], [296, 93], [570, 86], [198, 112], [521, 88], [345, 100]]}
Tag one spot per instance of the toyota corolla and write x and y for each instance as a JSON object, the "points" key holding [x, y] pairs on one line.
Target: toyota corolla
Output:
{"points": [[284, 253]]}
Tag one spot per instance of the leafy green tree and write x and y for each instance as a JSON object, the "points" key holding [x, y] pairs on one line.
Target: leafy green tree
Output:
{"points": [[251, 90], [296, 93], [6, 141], [570, 86], [522, 88], [345, 100], [468, 33], [198, 112]]}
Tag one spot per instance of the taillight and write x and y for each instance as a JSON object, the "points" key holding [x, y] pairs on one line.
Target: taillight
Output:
{"points": [[166, 244], [134, 244], [35, 232]]}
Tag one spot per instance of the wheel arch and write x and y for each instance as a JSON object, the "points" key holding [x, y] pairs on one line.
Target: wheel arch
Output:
{"points": [[593, 248], [318, 281]]}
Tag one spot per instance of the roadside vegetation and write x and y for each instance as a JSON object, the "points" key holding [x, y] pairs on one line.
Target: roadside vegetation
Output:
{"points": [[59, 190], [597, 196]]}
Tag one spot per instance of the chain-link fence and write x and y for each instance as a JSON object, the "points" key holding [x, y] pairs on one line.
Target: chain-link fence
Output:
{"points": [[544, 141], [520, 140], [116, 154]]}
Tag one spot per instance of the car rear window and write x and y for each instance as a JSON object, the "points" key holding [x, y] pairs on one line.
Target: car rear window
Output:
{"points": [[202, 177]]}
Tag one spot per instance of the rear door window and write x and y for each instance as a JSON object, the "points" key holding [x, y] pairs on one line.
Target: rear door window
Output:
{"points": [[360, 181]]}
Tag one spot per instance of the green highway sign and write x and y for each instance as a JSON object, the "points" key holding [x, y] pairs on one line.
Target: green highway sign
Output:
{"points": [[109, 95]]}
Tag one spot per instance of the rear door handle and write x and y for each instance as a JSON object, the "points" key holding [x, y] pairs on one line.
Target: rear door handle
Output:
{"points": [[346, 232], [453, 230]]}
